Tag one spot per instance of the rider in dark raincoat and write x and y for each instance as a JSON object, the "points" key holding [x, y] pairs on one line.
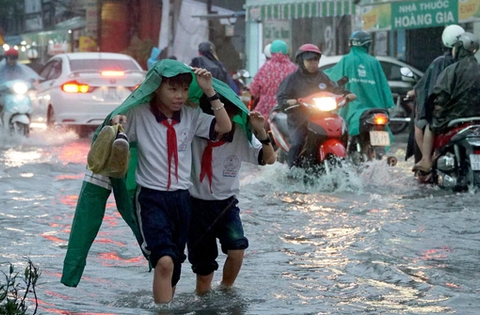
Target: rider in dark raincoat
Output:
{"points": [[208, 59], [307, 80], [457, 92], [423, 89]]}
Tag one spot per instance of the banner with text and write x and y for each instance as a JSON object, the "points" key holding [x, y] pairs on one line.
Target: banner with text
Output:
{"points": [[419, 14]]}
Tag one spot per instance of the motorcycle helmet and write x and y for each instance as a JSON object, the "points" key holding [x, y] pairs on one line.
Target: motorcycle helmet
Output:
{"points": [[32, 53], [266, 51], [360, 38], [12, 52], [469, 42], [278, 47], [307, 51], [450, 35]]}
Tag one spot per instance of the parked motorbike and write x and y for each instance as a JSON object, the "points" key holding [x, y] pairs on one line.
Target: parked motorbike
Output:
{"points": [[373, 138], [16, 106], [456, 163], [327, 137]]}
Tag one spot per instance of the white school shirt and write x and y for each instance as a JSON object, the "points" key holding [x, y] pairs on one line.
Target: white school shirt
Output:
{"points": [[151, 138], [226, 162]]}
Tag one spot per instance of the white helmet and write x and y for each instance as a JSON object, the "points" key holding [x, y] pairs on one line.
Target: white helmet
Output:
{"points": [[266, 51], [32, 53], [450, 35]]}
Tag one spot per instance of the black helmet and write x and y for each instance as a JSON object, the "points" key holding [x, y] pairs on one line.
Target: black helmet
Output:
{"points": [[360, 38], [469, 42]]}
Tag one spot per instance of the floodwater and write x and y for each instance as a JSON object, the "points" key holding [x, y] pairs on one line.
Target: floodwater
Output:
{"points": [[367, 241]]}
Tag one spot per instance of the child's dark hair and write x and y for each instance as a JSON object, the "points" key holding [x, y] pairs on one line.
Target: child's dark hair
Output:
{"points": [[182, 79]]}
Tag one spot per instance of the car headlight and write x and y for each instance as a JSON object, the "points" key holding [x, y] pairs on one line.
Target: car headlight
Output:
{"points": [[20, 88], [325, 104]]}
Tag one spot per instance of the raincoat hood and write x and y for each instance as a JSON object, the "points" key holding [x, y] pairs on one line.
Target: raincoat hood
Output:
{"points": [[170, 68], [17, 72]]}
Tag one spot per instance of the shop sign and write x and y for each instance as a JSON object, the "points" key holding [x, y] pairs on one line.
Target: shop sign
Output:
{"points": [[420, 14], [277, 29], [55, 49], [377, 17], [468, 11], [87, 43]]}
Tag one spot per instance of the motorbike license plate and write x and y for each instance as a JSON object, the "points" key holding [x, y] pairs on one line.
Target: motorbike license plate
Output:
{"points": [[475, 162], [379, 138]]}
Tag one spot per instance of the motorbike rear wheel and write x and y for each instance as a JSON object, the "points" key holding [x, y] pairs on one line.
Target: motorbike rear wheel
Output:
{"points": [[398, 126], [50, 118], [17, 128]]}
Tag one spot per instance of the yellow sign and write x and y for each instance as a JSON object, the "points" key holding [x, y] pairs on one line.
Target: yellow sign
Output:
{"points": [[377, 17], [86, 43], [468, 10]]}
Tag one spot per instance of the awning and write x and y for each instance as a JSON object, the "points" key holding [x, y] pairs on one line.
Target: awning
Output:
{"points": [[12, 40], [296, 9]]}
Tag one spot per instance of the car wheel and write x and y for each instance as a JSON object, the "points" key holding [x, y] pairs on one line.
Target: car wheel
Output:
{"points": [[50, 118]]}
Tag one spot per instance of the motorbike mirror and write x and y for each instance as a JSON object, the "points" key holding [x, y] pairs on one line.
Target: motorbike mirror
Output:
{"points": [[244, 73], [407, 74], [344, 80]]}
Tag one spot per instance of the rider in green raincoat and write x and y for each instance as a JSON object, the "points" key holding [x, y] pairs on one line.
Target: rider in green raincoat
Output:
{"points": [[366, 80], [96, 188]]}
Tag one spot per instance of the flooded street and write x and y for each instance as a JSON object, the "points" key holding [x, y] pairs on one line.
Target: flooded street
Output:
{"points": [[368, 241]]}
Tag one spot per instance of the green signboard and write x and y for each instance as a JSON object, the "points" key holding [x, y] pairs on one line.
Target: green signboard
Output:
{"points": [[420, 14]]}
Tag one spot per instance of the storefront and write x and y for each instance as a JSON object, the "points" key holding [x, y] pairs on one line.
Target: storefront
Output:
{"points": [[63, 38], [327, 24], [411, 30]]}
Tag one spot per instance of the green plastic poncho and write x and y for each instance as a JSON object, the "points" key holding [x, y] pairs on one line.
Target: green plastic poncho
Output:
{"points": [[96, 189], [366, 80]]}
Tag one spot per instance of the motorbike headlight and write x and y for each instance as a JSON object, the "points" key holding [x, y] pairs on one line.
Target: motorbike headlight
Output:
{"points": [[20, 88], [325, 104]]}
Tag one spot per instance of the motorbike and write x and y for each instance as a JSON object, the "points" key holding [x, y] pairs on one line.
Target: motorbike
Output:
{"points": [[400, 114], [327, 137], [373, 138], [16, 107], [456, 163], [240, 78]]}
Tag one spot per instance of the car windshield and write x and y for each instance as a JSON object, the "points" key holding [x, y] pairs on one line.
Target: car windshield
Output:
{"points": [[102, 64]]}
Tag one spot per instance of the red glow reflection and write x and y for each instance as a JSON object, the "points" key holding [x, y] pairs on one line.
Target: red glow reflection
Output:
{"points": [[63, 177], [52, 238], [75, 152], [114, 256], [69, 200]]}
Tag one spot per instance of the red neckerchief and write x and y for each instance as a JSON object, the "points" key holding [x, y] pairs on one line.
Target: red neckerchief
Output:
{"points": [[172, 151], [206, 168]]}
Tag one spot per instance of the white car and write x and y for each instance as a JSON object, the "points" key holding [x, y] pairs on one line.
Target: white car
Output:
{"points": [[400, 115], [80, 89]]}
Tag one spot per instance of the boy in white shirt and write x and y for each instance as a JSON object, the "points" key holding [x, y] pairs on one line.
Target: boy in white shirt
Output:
{"points": [[215, 214], [163, 129]]}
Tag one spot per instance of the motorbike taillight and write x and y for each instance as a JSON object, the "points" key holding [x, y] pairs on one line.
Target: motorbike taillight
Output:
{"points": [[378, 119]]}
